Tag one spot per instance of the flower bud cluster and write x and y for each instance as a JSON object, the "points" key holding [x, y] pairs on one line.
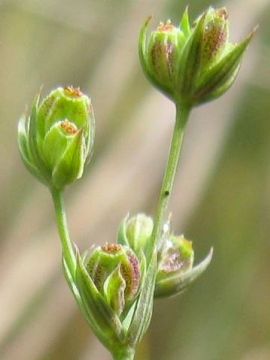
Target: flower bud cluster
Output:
{"points": [[192, 64], [108, 282], [56, 140], [115, 284], [175, 270]]}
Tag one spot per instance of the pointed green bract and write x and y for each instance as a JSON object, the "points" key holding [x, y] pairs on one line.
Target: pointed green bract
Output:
{"points": [[178, 281], [115, 298], [99, 314], [222, 74], [144, 306], [26, 155], [70, 166]]}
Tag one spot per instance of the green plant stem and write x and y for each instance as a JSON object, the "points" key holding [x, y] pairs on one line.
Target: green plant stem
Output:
{"points": [[182, 115], [62, 226], [123, 353], [127, 354]]}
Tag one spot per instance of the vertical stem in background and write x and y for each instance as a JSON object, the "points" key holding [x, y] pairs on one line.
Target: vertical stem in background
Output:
{"points": [[169, 174], [62, 226]]}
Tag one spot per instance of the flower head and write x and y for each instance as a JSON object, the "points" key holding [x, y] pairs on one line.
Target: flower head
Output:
{"points": [[175, 270], [115, 271], [192, 65], [56, 140], [110, 286]]}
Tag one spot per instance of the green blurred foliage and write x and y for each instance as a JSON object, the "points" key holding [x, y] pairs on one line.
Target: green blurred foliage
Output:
{"points": [[221, 196]]}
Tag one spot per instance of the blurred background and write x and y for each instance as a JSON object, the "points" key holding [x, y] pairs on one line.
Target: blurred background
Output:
{"points": [[221, 196]]}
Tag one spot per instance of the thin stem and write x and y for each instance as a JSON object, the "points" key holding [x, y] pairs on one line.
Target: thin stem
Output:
{"points": [[126, 354], [169, 174], [61, 221]]}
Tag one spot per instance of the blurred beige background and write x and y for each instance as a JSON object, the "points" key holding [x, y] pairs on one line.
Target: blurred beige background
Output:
{"points": [[221, 196]]}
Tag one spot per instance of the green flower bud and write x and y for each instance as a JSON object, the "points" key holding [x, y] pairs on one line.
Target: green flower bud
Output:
{"points": [[192, 65], [56, 140], [176, 254], [115, 271], [175, 265], [98, 313], [136, 232], [111, 286]]}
